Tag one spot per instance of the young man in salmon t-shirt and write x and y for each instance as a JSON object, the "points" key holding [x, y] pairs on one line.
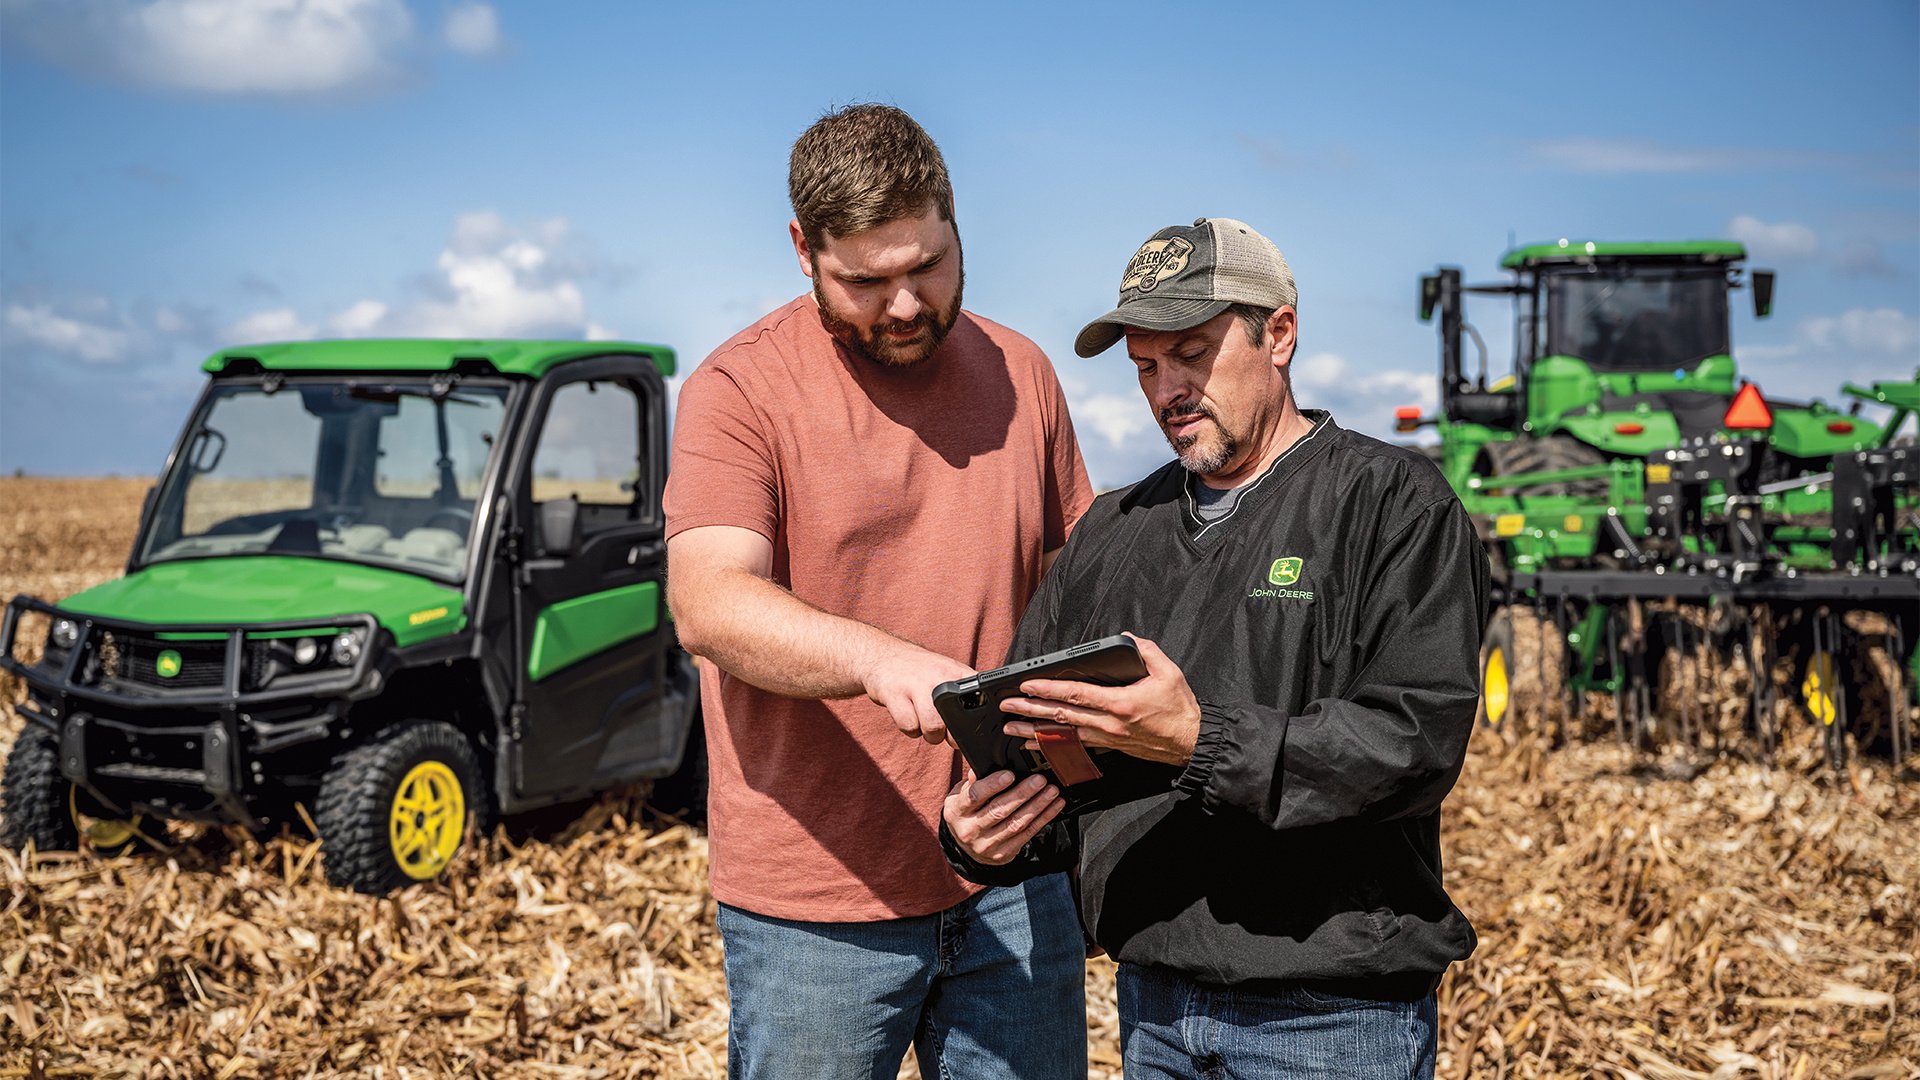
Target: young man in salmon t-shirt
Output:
{"points": [[866, 486]]}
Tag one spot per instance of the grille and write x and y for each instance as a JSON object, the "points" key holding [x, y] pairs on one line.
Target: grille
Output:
{"points": [[133, 658], [257, 666]]}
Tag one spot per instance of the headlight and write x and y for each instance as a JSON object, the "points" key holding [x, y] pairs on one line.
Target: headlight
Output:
{"points": [[346, 649], [65, 633], [305, 651]]}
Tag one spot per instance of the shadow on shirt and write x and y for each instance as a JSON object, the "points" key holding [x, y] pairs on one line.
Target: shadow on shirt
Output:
{"points": [[959, 403], [851, 807]]}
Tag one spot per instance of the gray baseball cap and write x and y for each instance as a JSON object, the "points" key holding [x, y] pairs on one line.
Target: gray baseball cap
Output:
{"points": [[1186, 274]]}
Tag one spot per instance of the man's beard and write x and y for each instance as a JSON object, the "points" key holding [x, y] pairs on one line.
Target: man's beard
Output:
{"points": [[1193, 457], [877, 346]]}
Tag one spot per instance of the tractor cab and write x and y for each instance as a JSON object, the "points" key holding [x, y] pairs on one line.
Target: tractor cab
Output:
{"points": [[1623, 347]]}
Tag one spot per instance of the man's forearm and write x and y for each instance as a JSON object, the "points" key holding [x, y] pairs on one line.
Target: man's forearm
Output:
{"points": [[765, 635]]}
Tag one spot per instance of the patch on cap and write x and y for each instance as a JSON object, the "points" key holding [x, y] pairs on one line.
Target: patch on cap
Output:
{"points": [[1155, 262]]}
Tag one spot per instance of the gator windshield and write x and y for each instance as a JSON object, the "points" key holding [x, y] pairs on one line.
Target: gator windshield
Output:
{"points": [[374, 472], [1658, 319]]}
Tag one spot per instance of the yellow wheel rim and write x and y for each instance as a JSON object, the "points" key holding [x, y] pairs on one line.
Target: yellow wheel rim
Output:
{"points": [[1493, 684], [429, 815], [104, 833], [1819, 687]]}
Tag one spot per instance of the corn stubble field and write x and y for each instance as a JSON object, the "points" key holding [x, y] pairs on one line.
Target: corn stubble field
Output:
{"points": [[1657, 916]]}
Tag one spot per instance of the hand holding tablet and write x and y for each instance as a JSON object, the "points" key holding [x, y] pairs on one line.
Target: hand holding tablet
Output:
{"points": [[971, 709]]}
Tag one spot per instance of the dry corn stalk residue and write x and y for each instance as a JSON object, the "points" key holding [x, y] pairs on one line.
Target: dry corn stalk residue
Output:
{"points": [[1666, 915]]}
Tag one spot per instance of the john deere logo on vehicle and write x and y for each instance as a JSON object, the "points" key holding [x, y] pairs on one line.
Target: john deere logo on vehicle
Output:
{"points": [[167, 664], [426, 616], [1155, 262], [1282, 573]]}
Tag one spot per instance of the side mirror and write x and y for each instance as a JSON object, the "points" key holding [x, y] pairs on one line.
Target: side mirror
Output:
{"points": [[559, 526], [1429, 295], [1762, 293]]}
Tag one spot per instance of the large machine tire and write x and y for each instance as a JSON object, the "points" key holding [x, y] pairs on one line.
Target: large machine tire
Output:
{"points": [[1551, 454], [42, 806], [34, 796], [1496, 670], [395, 810]]}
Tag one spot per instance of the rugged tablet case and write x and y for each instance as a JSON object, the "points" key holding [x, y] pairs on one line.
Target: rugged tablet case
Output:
{"points": [[971, 709]]}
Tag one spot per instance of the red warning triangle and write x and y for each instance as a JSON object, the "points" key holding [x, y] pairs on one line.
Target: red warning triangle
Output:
{"points": [[1749, 411]]}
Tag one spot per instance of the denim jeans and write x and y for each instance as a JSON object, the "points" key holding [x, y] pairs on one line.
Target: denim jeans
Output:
{"points": [[992, 987], [1172, 1026]]}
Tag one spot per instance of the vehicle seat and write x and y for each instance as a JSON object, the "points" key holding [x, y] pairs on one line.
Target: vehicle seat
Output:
{"points": [[442, 546], [365, 539]]}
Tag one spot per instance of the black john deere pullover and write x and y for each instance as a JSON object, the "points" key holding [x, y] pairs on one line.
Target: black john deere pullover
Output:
{"points": [[1330, 628]]}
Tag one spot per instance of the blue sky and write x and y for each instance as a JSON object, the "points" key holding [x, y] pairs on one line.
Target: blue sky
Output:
{"points": [[181, 175]]}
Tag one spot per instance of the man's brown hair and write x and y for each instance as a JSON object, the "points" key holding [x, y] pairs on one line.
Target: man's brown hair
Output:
{"points": [[861, 167], [1253, 319]]}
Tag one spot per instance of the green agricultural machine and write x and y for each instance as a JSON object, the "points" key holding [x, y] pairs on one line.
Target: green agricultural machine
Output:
{"points": [[1661, 519], [392, 588]]}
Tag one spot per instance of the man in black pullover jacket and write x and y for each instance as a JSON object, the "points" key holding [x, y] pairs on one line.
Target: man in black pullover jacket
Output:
{"points": [[1308, 601]]}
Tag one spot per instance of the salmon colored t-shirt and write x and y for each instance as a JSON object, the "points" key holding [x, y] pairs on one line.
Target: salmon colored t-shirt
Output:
{"points": [[918, 500]]}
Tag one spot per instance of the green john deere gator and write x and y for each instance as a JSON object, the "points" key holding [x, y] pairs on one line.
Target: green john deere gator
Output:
{"points": [[408, 585], [1645, 500]]}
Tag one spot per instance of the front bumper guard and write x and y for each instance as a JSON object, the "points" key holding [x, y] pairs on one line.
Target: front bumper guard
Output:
{"points": [[66, 694], [70, 684]]}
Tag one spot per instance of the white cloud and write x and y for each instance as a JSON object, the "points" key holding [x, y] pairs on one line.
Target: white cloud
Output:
{"points": [[1359, 397], [1785, 241], [1320, 371], [1332, 375], [1860, 345], [596, 332], [499, 283], [277, 324], [1119, 418], [1884, 330], [1615, 156], [240, 47], [90, 343], [1862, 258], [1765, 354], [168, 321], [493, 280], [473, 29], [359, 320]]}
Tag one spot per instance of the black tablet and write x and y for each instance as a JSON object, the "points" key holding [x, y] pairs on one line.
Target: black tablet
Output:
{"points": [[971, 709]]}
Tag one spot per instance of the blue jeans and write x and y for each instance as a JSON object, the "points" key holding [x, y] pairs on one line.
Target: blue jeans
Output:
{"points": [[992, 987], [1172, 1026]]}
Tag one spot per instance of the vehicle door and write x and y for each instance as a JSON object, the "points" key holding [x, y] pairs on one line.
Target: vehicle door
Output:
{"points": [[593, 636]]}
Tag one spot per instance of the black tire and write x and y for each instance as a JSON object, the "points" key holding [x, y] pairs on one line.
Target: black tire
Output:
{"points": [[45, 807], [358, 805], [1529, 455], [35, 796], [1496, 670]]}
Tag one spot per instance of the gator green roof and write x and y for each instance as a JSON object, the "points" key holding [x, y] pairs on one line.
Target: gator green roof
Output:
{"points": [[529, 358], [1571, 250]]}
